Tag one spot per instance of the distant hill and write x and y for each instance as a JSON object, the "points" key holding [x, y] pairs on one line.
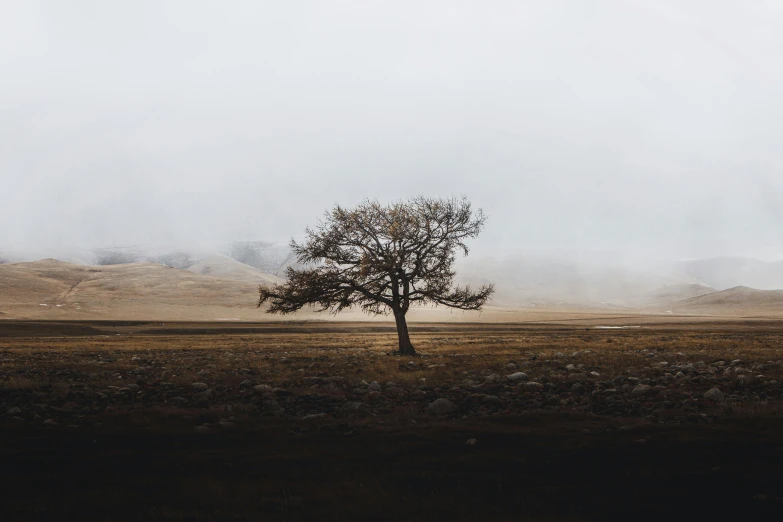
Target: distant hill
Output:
{"points": [[667, 296], [739, 300], [227, 268], [55, 289], [531, 282], [267, 257], [272, 258]]}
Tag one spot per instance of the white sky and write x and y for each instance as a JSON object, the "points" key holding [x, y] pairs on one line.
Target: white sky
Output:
{"points": [[650, 127]]}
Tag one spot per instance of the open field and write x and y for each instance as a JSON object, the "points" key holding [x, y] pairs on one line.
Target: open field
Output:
{"points": [[558, 420]]}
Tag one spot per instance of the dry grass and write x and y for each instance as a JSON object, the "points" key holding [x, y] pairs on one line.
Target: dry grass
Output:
{"points": [[447, 357]]}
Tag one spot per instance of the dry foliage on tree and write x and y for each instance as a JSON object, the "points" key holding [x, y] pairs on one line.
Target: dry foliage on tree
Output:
{"points": [[383, 259]]}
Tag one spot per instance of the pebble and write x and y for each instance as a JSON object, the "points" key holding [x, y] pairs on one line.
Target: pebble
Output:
{"points": [[441, 407], [203, 396], [714, 395], [641, 389], [353, 408], [263, 388]]}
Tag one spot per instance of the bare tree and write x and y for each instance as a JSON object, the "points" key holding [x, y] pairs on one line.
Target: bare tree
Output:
{"points": [[383, 259]]}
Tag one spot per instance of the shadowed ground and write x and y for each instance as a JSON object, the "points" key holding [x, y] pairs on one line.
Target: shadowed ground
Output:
{"points": [[100, 426]]}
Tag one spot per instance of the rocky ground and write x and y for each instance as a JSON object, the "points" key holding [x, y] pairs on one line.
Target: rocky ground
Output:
{"points": [[587, 382], [79, 384]]}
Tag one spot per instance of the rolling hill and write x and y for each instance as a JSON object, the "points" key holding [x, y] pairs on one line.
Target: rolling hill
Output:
{"points": [[216, 289], [220, 283], [665, 297], [739, 300], [55, 289]]}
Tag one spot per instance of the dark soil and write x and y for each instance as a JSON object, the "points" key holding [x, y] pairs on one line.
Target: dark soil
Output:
{"points": [[529, 468]]}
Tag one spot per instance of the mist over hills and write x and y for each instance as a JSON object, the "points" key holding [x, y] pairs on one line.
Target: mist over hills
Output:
{"points": [[546, 281], [529, 281], [267, 257], [728, 272], [273, 258]]}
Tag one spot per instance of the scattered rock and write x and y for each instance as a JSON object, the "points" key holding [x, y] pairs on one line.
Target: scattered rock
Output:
{"points": [[203, 396], [262, 389], [518, 376], [394, 392], [641, 389], [714, 395], [441, 407], [199, 386]]}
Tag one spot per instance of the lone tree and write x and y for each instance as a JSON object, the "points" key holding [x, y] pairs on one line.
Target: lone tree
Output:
{"points": [[383, 258]]}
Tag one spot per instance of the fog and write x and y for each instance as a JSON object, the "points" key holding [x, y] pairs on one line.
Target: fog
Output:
{"points": [[633, 128]]}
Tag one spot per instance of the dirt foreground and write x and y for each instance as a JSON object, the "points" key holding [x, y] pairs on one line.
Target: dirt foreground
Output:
{"points": [[306, 421]]}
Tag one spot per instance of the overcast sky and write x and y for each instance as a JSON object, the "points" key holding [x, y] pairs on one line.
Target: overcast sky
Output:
{"points": [[610, 125]]}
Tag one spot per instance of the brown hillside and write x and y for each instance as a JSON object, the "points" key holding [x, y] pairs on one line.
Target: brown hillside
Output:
{"points": [[739, 300], [58, 290]]}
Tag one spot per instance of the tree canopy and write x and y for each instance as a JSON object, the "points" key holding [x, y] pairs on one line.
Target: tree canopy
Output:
{"points": [[383, 259]]}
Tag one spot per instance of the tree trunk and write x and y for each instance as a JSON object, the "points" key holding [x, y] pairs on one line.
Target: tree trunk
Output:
{"points": [[406, 348]]}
